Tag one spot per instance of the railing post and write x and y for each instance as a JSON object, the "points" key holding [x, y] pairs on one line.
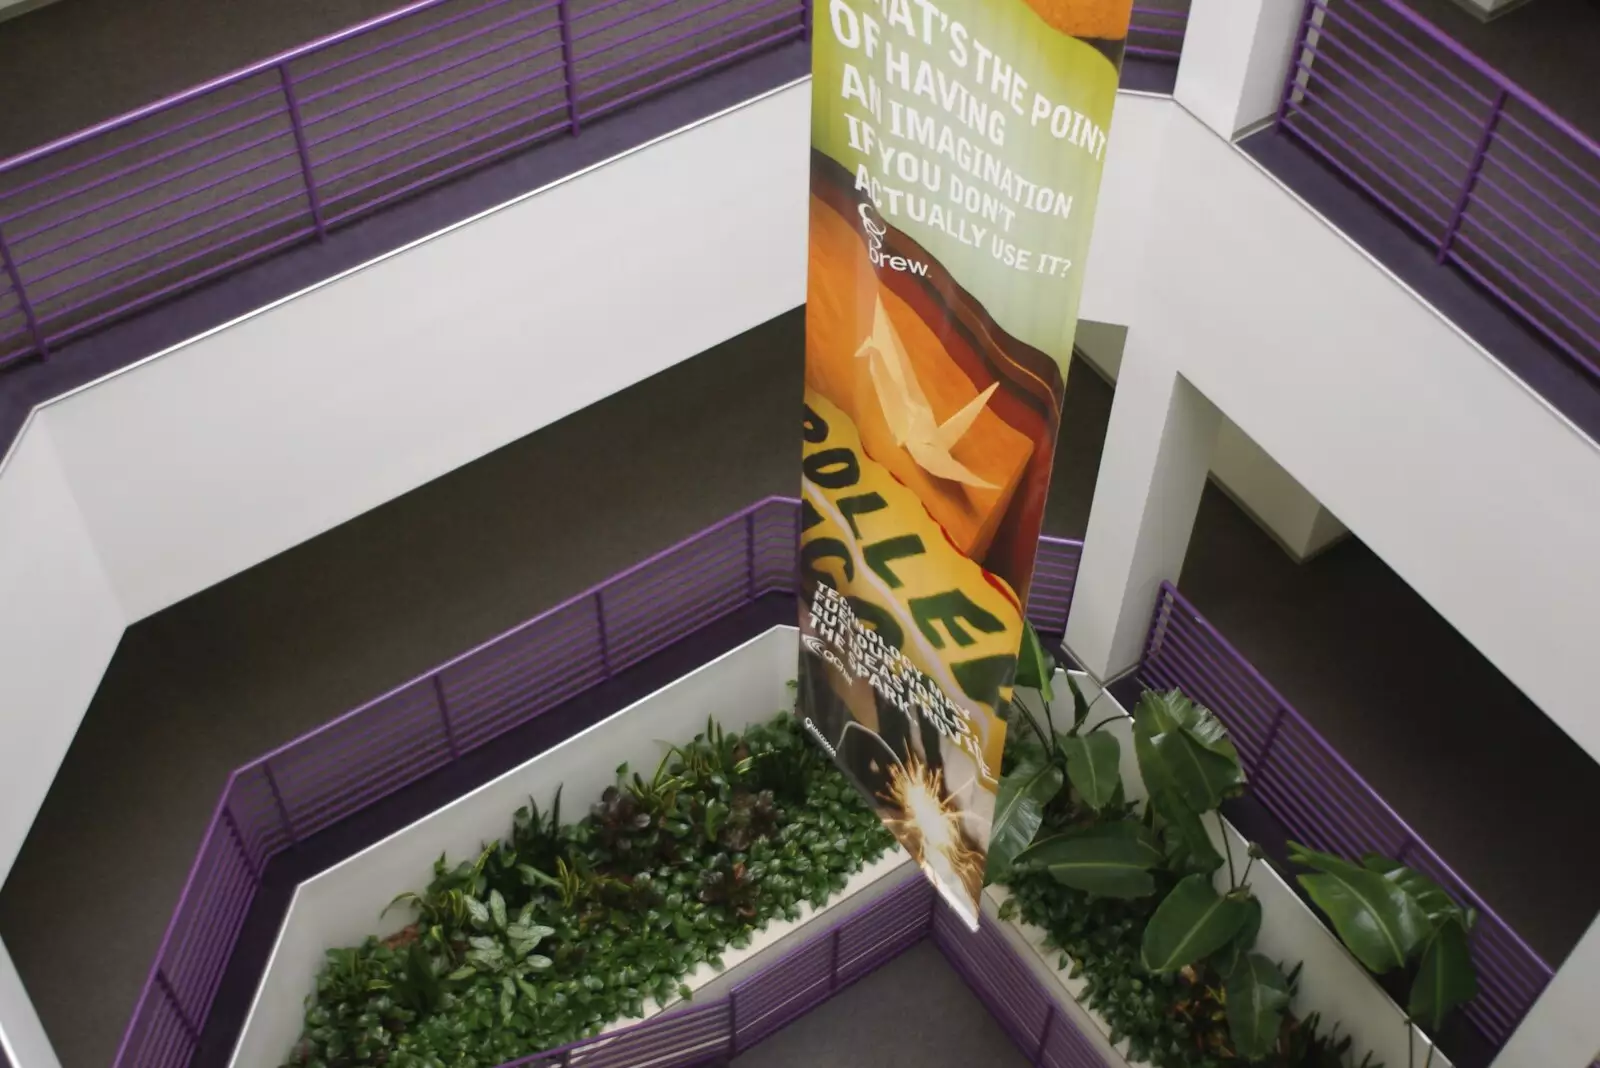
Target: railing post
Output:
{"points": [[733, 1023], [283, 809], [444, 717], [297, 124], [750, 556], [570, 62], [1044, 1034], [23, 302], [833, 960], [1302, 45], [1268, 742], [238, 840], [605, 638], [1165, 605], [1479, 155], [189, 1028]]}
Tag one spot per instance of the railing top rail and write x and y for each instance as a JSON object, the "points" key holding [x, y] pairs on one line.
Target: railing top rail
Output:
{"points": [[488, 643], [1483, 67], [220, 82], [1282, 703], [576, 598]]}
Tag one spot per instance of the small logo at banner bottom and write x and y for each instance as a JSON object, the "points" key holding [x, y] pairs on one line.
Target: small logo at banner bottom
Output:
{"points": [[822, 741]]}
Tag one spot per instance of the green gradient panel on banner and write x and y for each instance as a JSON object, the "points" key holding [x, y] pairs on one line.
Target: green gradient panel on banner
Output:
{"points": [[869, 57]]}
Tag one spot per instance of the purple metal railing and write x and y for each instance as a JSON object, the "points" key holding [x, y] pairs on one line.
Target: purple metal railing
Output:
{"points": [[1491, 179], [1157, 30], [1321, 800], [385, 745], [1013, 994], [110, 220]]}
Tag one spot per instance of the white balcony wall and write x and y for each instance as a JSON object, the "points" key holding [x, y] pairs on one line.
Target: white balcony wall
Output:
{"points": [[205, 460], [22, 1037], [1255, 481]]}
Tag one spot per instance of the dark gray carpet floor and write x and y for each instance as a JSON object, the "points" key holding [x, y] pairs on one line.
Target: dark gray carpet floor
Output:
{"points": [[913, 1012], [218, 679]]}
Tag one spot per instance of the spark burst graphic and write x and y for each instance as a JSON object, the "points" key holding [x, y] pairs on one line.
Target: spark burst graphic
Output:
{"points": [[928, 824]]}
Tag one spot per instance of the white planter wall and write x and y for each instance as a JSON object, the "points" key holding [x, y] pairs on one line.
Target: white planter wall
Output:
{"points": [[341, 906]]}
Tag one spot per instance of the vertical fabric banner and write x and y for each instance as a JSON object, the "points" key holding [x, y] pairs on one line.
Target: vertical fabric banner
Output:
{"points": [[956, 153]]}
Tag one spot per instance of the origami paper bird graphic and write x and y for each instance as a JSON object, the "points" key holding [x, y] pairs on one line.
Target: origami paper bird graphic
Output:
{"points": [[906, 408]]}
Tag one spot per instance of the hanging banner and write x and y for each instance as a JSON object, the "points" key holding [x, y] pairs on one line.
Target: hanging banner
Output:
{"points": [[956, 152]]}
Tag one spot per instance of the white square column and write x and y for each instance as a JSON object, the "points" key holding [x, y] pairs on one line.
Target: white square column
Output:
{"points": [[1152, 472], [1235, 61]]}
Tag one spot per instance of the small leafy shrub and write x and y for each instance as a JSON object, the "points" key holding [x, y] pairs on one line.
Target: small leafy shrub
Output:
{"points": [[560, 929]]}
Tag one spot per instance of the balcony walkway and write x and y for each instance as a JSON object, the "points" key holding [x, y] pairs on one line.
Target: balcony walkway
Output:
{"points": [[210, 683]]}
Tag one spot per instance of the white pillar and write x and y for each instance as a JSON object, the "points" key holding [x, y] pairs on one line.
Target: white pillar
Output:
{"points": [[1152, 471], [22, 1036], [1236, 60], [1562, 1030]]}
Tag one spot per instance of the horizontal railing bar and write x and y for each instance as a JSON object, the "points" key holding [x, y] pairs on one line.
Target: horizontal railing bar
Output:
{"points": [[457, 661], [1187, 615], [658, 46], [177, 911], [1424, 186], [1532, 267], [1511, 117], [368, 77], [1337, 19], [514, 105], [650, 29], [1453, 181], [1321, 58], [410, 58], [1455, 48], [1550, 231], [1549, 202], [221, 82], [1325, 33], [116, 269], [1152, 53], [56, 176], [210, 206], [1466, 239], [1428, 232], [1562, 342], [631, 16], [306, 230], [1309, 59], [434, 116], [723, 58], [435, 177], [434, 94], [80, 212]]}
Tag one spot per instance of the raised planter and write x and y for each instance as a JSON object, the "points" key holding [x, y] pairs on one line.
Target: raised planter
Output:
{"points": [[342, 905], [1332, 982]]}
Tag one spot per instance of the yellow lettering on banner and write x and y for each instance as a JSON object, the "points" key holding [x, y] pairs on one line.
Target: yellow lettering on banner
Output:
{"points": [[867, 535]]}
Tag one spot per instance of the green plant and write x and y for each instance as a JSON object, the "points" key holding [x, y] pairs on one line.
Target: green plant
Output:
{"points": [[1131, 895], [1042, 761], [1394, 917], [549, 935]]}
